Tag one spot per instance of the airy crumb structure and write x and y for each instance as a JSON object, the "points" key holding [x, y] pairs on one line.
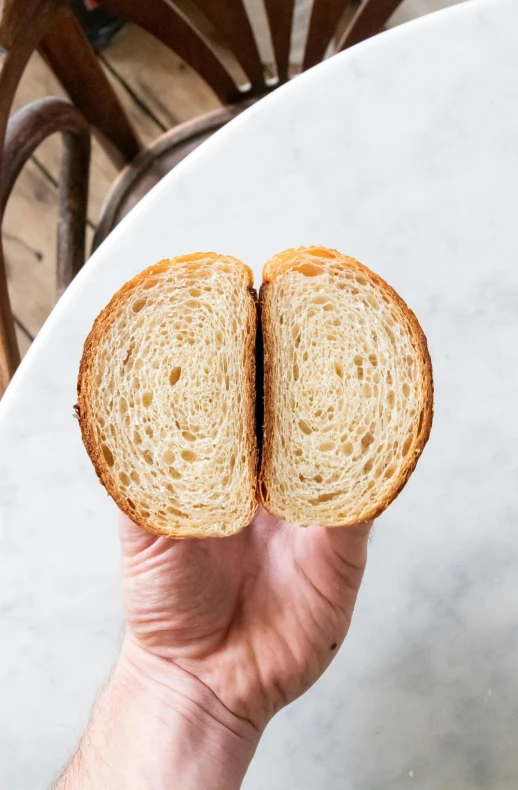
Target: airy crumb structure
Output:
{"points": [[166, 395], [348, 389]]}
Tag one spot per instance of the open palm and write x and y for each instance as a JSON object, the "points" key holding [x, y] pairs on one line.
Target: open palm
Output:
{"points": [[257, 617]]}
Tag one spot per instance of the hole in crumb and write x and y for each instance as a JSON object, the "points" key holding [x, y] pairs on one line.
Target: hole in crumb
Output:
{"points": [[137, 305], [174, 376], [391, 399], [304, 427], [373, 359], [168, 457], [189, 436], [129, 352], [339, 370], [367, 440], [175, 512], [308, 269], [326, 446], [123, 477], [389, 471], [108, 455], [406, 390], [147, 397], [320, 299], [189, 456], [325, 497], [406, 445]]}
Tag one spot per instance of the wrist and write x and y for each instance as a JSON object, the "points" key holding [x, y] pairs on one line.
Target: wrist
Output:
{"points": [[157, 726], [189, 737]]}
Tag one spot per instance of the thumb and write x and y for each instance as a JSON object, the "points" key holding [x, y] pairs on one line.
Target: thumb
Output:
{"points": [[334, 559]]}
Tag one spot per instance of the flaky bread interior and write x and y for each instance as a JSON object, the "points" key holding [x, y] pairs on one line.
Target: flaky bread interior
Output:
{"points": [[348, 389], [166, 396]]}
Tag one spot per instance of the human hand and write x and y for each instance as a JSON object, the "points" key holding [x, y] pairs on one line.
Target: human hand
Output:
{"points": [[221, 634], [255, 617]]}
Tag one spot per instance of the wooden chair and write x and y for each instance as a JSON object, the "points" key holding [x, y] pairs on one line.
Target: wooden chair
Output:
{"points": [[217, 41]]}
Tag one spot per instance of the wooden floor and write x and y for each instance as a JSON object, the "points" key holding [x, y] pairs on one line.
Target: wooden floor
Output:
{"points": [[156, 97]]}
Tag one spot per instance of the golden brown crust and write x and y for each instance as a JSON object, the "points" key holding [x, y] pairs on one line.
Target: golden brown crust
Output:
{"points": [[292, 259], [86, 385]]}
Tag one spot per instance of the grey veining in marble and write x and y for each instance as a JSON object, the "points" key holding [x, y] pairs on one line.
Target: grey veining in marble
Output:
{"points": [[404, 153]]}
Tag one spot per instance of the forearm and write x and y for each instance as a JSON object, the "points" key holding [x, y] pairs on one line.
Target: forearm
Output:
{"points": [[155, 726]]}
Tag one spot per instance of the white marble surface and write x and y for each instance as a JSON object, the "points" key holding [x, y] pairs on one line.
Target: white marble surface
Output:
{"points": [[403, 153]]}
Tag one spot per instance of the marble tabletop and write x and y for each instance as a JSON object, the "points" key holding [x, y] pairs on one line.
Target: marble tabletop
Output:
{"points": [[402, 152]]}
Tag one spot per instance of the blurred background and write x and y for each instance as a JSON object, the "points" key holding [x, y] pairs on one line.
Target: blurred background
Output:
{"points": [[158, 91]]}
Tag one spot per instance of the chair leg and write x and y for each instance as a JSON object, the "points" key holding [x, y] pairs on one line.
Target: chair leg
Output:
{"points": [[73, 207], [369, 19], [9, 351], [26, 130]]}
